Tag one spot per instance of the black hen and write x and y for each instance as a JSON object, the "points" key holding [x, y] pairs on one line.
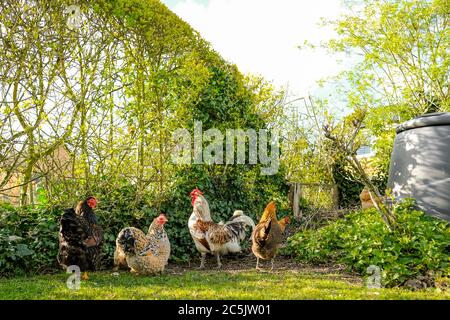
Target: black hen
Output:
{"points": [[80, 237]]}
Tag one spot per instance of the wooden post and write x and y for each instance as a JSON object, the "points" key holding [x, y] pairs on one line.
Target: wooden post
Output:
{"points": [[335, 197], [296, 201]]}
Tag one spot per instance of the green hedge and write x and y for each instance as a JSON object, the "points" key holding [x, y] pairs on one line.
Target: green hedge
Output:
{"points": [[28, 240]]}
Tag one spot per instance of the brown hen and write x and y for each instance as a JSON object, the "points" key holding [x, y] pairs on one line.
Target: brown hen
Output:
{"points": [[267, 236]]}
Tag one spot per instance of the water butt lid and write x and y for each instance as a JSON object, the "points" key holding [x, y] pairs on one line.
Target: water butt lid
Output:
{"points": [[426, 120]]}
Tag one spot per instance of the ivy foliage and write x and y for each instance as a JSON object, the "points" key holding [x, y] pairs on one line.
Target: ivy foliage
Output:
{"points": [[419, 246]]}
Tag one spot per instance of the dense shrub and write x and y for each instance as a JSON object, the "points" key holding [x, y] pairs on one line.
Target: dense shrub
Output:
{"points": [[226, 103], [349, 185], [349, 188], [419, 245], [118, 208], [28, 239]]}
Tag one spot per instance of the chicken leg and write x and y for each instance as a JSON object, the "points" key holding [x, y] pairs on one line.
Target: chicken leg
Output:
{"points": [[219, 264], [257, 264], [202, 263]]}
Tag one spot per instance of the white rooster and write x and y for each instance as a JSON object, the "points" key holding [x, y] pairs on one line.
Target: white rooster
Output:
{"points": [[215, 238]]}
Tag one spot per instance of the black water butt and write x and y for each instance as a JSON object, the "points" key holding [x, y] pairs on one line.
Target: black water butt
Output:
{"points": [[420, 163]]}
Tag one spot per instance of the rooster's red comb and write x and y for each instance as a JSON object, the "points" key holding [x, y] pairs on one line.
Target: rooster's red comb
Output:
{"points": [[196, 192]]}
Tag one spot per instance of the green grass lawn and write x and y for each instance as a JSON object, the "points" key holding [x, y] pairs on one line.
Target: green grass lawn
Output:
{"points": [[205, 285]]}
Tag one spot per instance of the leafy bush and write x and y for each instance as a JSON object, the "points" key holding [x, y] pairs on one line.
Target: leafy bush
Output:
{"points": [[349, 187], [419, 245], [118, 208], [28, 240]]}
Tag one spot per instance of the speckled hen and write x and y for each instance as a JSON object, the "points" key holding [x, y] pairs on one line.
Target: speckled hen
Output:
{"points": [[143, 253]]}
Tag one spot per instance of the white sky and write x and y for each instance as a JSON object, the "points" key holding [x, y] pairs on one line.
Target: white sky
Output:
{"points": [[261, 36]]}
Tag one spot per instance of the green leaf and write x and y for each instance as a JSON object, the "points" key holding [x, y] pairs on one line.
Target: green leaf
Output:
{"points": [[23, 251]]}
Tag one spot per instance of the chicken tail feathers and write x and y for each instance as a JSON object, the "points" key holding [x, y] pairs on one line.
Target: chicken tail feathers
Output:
{"points": [[238, 224], [126, 241], [269, 212], [71, 228], [239, 216]]}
